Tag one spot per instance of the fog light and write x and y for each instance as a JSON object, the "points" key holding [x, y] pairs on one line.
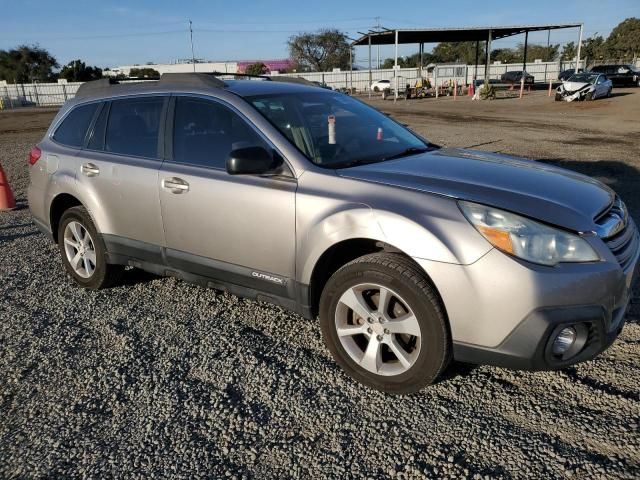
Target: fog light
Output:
{"points": [[564, 340]]}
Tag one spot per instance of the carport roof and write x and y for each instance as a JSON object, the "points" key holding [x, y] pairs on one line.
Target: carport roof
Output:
{"points": [[436, 35]]}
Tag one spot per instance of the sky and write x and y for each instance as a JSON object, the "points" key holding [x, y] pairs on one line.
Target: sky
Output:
{"points": [[108, 33]]}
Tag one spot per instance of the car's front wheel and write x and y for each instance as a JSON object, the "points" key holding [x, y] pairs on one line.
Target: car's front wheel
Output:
{"points": [[384, 325], [83, 251]]}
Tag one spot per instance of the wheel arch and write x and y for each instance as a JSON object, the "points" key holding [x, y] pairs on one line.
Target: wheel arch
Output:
{"points": [[345, 251], [60, 204]]}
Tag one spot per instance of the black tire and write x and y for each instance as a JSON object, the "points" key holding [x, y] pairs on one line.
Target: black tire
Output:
{"points": [[376, 89], [401, 275], [558, 97], [609, 92], [589, 96], [105, 274]]}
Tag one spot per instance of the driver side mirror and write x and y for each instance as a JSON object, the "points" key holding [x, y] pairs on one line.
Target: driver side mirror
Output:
{"points": [[253, 161]]}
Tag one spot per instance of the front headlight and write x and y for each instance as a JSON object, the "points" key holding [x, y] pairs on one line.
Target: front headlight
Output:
{"points": [[525, 238]]}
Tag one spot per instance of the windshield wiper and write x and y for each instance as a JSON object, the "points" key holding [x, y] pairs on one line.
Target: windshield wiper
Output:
{"points": [[407, 152]]}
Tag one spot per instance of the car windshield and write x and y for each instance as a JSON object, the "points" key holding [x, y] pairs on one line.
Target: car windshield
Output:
{"points": [[583, 78], [334, 130]]}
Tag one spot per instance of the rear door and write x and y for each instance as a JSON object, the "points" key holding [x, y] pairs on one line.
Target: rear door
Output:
{"points": [[613, 75], [119, 171], [240, 229]]}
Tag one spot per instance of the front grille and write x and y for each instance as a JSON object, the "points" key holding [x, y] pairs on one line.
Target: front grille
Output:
{"points": [[619, 232]]}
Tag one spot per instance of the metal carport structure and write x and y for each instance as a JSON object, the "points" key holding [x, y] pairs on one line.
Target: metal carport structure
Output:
{"points": [[421, 36]]}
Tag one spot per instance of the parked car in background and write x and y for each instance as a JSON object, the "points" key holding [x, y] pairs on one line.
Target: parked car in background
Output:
{"points": [[409, 253], [584, 86], [322, 85], [515, 76], [564, 75], [380, 85], [621, 75]]}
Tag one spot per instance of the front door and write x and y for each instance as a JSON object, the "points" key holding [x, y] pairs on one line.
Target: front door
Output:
{"points": [[239, 229]]}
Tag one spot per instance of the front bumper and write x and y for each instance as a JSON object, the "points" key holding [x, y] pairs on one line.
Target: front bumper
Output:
{"points": [[505, 312], [528, 347]]}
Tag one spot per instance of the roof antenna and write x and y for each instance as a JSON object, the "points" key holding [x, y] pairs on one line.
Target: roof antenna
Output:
{"points": [[193, 57]]}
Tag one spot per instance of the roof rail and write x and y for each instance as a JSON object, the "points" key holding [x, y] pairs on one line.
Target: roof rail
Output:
{"points": [[104, 85], [273, 78], [244, 75], [207, 80], [298, 80], [192, 80], [94, 86]]}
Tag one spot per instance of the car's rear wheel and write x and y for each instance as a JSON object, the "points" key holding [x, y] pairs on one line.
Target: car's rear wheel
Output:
{"points": [[376, 89], [609, 92], [83, 251], [384, 325]]}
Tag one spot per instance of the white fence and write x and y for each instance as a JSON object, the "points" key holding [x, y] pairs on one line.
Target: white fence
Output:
{"points": [[54, 94], [463, 74], [36, 94]]}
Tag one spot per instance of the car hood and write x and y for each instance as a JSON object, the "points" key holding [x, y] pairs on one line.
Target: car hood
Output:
{"points": [[573, 86], [550, 194]]}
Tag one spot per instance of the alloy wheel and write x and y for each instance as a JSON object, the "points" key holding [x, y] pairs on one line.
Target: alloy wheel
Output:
{"points": [[378, 329], [80, 249]]}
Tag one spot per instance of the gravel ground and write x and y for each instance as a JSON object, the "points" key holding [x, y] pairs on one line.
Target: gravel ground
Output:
{"points": [[159, 378]]}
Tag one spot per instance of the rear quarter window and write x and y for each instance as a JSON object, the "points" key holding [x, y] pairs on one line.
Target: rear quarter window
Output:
{"points": [[73, 128]]}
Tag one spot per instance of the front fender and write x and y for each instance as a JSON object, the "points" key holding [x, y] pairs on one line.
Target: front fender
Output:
{"points": [[422, 226], [342, 222]]}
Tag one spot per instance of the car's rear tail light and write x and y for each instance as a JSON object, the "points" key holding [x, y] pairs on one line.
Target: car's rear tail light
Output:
{"points": [[34, 155]]}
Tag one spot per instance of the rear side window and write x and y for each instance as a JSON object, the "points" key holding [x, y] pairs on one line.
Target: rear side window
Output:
{"points": [[133, 127], [73, 128], [205, 132]]}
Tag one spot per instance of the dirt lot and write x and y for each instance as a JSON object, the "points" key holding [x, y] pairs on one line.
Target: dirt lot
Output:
{"points": [[161, 378]]}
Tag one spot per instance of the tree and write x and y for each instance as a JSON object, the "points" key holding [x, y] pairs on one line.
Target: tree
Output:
{"points": [[504, 55], [535, 51], [144, 72], [624, 39], [258, 68], [458, 52], [322, 51], [569, 51], [594, 49], [411, 61], [27, 64], [77, 71]]}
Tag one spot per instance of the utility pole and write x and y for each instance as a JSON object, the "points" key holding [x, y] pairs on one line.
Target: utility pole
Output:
{"points": [[193, 57], [378, 47]]}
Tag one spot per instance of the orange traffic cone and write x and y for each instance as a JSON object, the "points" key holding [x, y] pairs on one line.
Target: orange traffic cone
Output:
{"points": [[7, 202]]}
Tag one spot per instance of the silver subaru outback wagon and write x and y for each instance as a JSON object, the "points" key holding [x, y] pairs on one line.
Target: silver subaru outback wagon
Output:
{"points": [[410, 254]]}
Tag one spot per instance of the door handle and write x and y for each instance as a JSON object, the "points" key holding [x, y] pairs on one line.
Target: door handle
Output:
{"points": [[175, 184], [90, 170]]}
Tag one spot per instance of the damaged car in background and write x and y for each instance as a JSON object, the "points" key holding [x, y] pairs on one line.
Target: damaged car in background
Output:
{"points": [[584, 86]]}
